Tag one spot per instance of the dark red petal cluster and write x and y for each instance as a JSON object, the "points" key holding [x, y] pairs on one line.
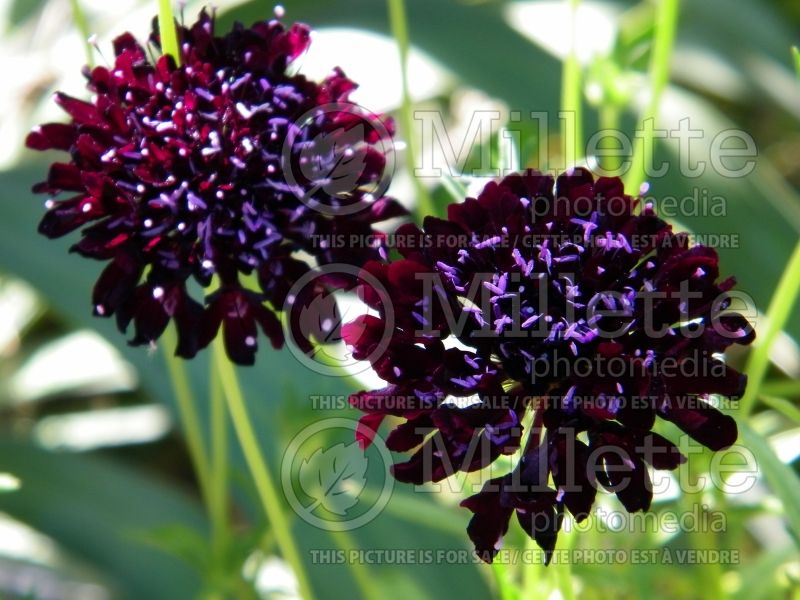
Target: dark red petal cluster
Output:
{"points": [[564, 297], [223, 166]]}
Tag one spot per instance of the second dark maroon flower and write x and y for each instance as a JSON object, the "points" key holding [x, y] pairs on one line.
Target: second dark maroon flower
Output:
{"points": [[563, 303]]}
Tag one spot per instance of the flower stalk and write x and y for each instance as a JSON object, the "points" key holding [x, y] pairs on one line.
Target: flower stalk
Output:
{"points": [[260, 471]]}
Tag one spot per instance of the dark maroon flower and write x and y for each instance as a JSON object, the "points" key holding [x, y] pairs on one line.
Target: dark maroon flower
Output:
{"points": [[561, 297], [226, 166]]}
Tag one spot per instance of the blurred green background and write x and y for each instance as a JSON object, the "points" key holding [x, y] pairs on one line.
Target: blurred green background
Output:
{"points": [[97, 495]]}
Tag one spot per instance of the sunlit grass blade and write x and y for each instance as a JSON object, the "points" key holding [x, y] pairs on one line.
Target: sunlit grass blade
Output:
{"points": [[508, 151], [780, 308], [360, 571], [167, 30], [454, 188], [796, 57], [259, 468], [785, 407], [789, 388], [399, 26], [187, 412], [506, 589], [780, 477], [572, 131], [83, 28], [412, 509], [666, 20], [219, 466]]}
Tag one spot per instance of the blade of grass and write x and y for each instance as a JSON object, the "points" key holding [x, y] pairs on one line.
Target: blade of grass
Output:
{"points": [[187, 412], [532, 573], [506, 588], [780, 308], [454, 188], [789, 388], [781, 478], [83, 27], [259, 468], [796, 57], [219, 467], [399, 26], [563, 569], [361, 573], [508, 152], [666, 24], [572, 131], [786, 408], [413, 510], [168, 31]]}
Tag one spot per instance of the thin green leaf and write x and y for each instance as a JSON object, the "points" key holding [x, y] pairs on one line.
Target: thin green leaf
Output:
{"points": [[786, 408], [504, 581], [780, 477], [83, 27], [780, 308], [789, 388], [571, 97], [91, 507], [563, 572], [423, 512], [664, 38], [454, 188], [168, 31], [180, 541], [399, 26]]}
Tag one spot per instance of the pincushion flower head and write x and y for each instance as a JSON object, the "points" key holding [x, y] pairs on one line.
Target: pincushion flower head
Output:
{"points": [[562, 302], [225, 165]]}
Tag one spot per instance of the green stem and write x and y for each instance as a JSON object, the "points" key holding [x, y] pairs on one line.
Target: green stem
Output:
{"points": [[785, 407], [666, 24], [219, 464], [168, 31], [399, 26], [796, 57], [344, 541], [563, 569], [83, 27], [260, 471], [709, 574], [571, 97], [609, 121], [788, 388], [187, 412], [531, 578], [780, 308]]}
